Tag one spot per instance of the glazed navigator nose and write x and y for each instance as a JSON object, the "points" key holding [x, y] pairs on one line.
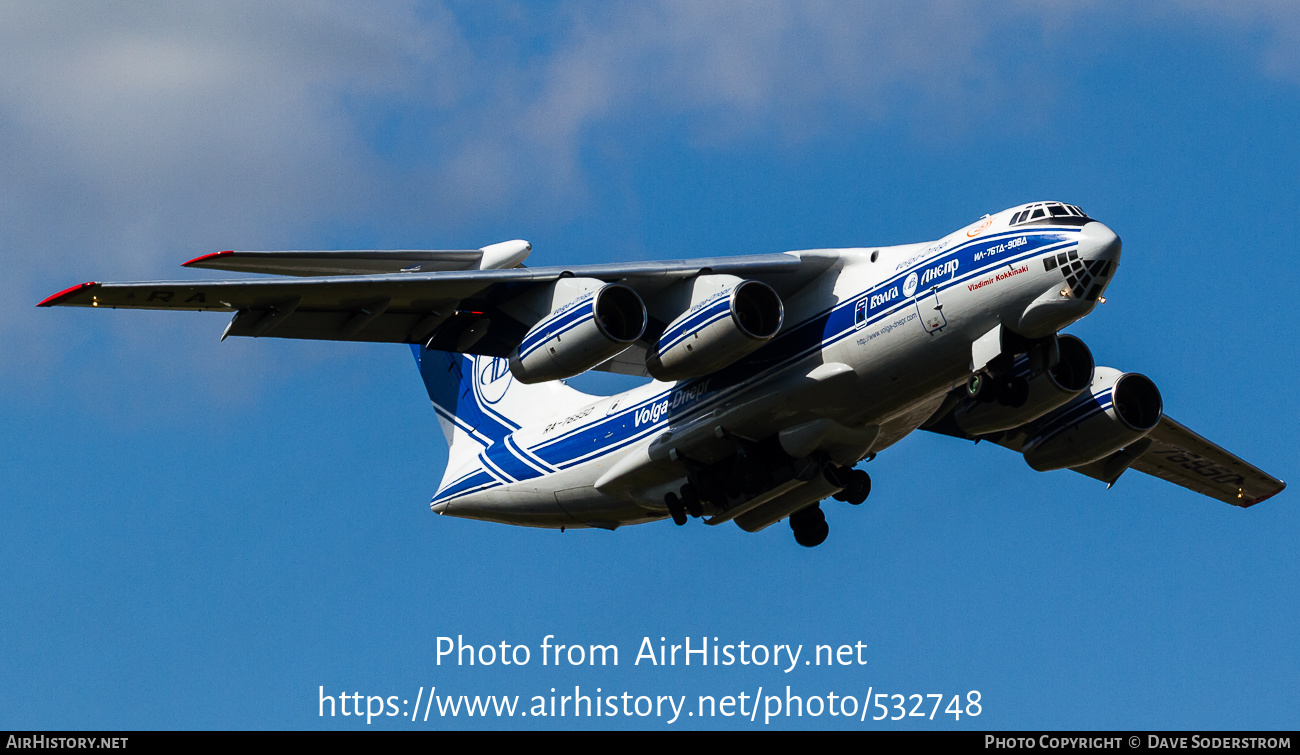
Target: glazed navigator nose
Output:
{"points": [[1099, 242], [1098, 256]]}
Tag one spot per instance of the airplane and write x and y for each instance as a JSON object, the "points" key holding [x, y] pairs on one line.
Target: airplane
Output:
{"points": [[772, 376]]}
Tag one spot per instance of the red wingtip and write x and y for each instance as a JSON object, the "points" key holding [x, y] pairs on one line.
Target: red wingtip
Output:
{"points": [[205, 257], [1265, 497], [52, 300]]}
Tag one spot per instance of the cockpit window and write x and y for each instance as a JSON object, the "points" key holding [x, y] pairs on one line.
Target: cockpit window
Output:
{"points": [[1052, 213]]}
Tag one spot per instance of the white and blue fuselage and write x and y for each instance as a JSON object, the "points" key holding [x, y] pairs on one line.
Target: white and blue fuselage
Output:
{"points": [[903, 319]]}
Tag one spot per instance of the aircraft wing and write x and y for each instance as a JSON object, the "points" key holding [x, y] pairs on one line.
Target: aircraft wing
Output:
{"points": [[1171, 452], [1185, 458], [406, 307]]}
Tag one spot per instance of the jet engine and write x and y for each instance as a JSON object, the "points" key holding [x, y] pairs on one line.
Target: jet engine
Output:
{"points": [[727, 319], [1048, 390], [1118, 409], [595, 322]]}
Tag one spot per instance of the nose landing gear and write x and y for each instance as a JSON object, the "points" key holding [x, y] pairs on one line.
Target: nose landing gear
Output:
{"points": [[1008, 390]]}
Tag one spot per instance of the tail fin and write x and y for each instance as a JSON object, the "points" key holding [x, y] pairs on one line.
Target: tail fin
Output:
{"points": [[479, 402]]}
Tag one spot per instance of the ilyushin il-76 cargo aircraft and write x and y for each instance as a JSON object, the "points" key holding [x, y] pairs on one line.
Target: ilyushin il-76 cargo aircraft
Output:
{"points": [[772, 376]]}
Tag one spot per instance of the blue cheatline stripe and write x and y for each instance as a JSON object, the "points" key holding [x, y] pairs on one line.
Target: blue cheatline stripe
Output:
{"points": [[463, 477], [1073, 415], [456, 484], [695, 321], [558, 325], [470, 484], [498, 456], [578, 449], [513, 445], [818, 332], [692, 319]]}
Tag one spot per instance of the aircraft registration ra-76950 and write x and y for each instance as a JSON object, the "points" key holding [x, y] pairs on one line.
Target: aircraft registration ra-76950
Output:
{"points": [[772, 376]]}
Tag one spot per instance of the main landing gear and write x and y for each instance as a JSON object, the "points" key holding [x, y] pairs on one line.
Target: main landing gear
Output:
{"points": [[760, 467], [809, 523], [686, 503], [857, 487]]}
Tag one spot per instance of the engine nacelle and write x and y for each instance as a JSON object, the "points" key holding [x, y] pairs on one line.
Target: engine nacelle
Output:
{"points": [[594, 322], [1049, 390], [1118, 409], [727, 319]]}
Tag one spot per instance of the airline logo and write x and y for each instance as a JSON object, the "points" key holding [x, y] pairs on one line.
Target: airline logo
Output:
{"points": [[649, 415], [493, 377], [939, 271], [981, 228], [885, 297]]}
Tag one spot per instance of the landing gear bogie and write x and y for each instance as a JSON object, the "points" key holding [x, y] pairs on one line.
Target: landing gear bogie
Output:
{"points": [[857, 486], [691, 501], [809, 526], [675, 508]]}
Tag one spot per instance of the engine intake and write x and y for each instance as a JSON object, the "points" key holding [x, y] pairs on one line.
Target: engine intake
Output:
{"points": [[719, 328], [1118, 409], [588, 329]]}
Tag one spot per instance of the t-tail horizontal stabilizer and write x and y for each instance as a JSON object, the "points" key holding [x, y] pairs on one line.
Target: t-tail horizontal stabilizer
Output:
{"points": [[507, 254]]}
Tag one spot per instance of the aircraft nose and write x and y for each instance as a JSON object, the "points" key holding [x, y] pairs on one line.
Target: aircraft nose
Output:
{"points": [[1099, 242]]}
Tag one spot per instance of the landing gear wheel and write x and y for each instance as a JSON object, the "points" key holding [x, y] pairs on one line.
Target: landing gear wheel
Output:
{"points": [[980, 387], [858, 489], [676, 509], [806, 469], [809, 525], [1013, 392], [840, 478], [691, 501]]}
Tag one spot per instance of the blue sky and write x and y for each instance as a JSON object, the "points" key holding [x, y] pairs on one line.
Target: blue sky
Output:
{"points": [[198, 534]]}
